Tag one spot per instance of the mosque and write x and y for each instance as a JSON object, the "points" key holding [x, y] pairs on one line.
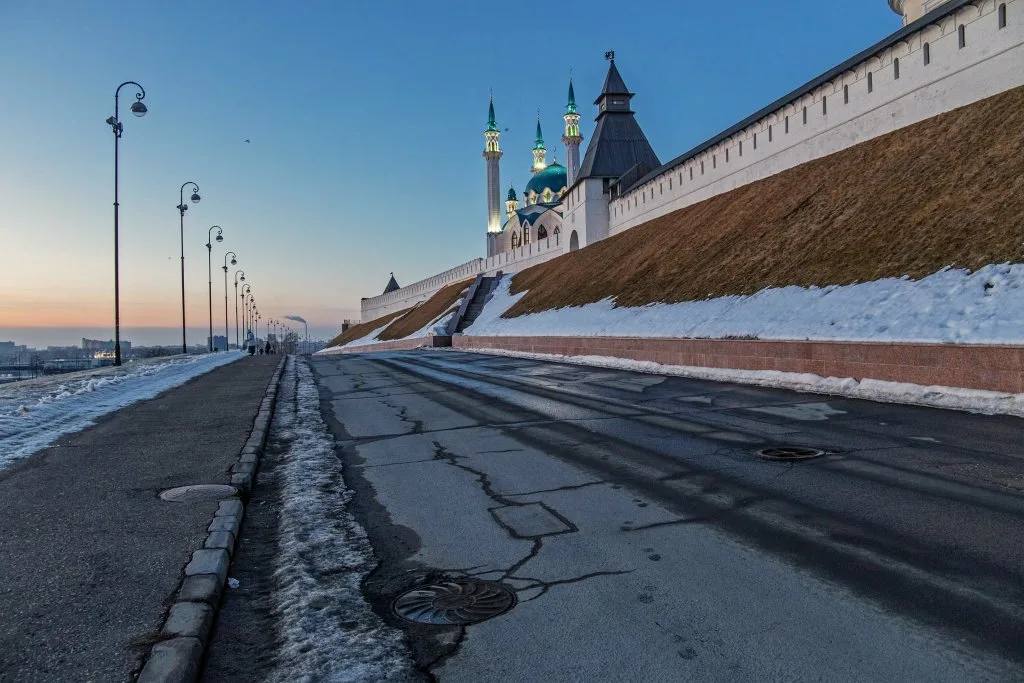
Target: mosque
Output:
{"points": [[618, 150]]}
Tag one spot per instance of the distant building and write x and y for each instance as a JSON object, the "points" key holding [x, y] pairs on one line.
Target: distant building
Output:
{"points": [[97, 345], [10, 350], [220, 342]]}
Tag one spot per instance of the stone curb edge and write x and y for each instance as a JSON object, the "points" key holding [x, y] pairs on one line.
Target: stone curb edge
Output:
{"points": [[177, 657]]}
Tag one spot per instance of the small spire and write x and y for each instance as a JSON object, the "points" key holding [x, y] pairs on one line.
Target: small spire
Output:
{"points": [[511, 194], [492, 125], [570, 108], [539, 142]]}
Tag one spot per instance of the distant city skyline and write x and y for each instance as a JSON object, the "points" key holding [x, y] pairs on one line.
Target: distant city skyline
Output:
{"points": [[334, 143]]}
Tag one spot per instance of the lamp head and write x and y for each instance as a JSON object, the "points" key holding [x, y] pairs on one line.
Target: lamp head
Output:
{"points": [[220, 237], [195, 198], [138, 108], [235, 263]]}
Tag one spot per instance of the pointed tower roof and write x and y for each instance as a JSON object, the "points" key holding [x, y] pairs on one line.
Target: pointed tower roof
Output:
{"points": [[618, 144], [491, 123], [539, 142], [511, 194], [570, 107], [613, 83], [392, 285]]}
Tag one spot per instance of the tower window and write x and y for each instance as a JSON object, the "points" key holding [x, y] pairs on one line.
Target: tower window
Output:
{"points": [[805, 116], [871, 82], [702, 167], [670, 183], [755, 140], [661, 188], [961, 33], [680, 178], [846, 94], [769, 132], [927, 50], [896, 68], [824, 105], [787, 124], [714, 161], [691, 173], [741, 147], [1002, 15], [726, 155]]}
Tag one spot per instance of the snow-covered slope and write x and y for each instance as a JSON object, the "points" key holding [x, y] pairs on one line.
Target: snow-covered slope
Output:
{"points": [[34, 413], [952, 305]]}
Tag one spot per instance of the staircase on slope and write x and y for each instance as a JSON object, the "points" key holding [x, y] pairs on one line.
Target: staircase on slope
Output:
{"points": [[476, 305]]}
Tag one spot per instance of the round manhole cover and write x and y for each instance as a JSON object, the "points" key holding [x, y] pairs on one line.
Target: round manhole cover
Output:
{"points": [[198, 492], [454, 602], [789, 453]]}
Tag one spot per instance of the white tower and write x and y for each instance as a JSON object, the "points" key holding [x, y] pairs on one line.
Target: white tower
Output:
{"points": [[492, 153], [572, 137]]}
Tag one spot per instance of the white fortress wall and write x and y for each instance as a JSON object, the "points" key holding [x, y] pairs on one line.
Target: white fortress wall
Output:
{"points": [[512, 261], [845, 111]]}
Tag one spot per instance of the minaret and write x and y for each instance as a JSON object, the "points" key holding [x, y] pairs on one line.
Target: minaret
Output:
{"points": [[572, 137], [539, 152], [492, 153], [511, 204]]}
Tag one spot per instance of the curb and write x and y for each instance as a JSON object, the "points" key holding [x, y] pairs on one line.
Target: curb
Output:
{"points": [[178, 657]]}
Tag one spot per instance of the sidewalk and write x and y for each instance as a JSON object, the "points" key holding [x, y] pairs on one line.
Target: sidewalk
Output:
{"points": [[89, 555]]}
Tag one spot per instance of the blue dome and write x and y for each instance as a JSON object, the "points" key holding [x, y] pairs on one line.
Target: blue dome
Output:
{"points": [[553, 178]]}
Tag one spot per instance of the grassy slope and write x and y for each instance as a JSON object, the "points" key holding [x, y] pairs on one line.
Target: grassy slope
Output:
{"points": [[363, 329], [946, 191], [425, 313]]}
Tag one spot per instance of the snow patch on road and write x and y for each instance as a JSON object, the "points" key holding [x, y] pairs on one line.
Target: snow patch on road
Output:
{"points": [[34, 413], [952, 305], [329, 632], [971, 400]]}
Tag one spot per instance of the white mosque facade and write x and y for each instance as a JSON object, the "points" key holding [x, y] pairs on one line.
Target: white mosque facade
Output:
{"points": [[949, 53]]}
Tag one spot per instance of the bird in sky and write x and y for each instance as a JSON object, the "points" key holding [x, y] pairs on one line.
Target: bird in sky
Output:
{"points": [[247, 140]]}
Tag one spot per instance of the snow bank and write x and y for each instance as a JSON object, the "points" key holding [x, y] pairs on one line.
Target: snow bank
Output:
{"points": [[971, 400], [952, 305], [34, 413], [328, 631]]}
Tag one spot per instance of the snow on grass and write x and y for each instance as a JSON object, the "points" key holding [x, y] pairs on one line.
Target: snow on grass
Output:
{"points": [[34, 413], [328, 631], [952, 305], [369, 338], [971, 400]]}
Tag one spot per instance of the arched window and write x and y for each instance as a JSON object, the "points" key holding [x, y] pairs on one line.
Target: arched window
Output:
{"points": [[542, 233], [927, 54], [896, 68], [574, 241], [515, 240], [558, 231], [1002, 15], [961, 33]]}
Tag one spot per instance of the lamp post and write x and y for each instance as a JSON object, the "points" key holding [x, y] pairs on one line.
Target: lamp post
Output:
{"points": [[182, 208], [237, 272], [209, 277], [139, 109], [246, 289], [227, 344]]}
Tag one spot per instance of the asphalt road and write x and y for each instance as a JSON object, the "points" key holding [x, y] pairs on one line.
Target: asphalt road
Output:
{"points": [[647, 541], [89, 554]]}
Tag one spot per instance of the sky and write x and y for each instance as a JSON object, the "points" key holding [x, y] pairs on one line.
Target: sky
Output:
{"points": [[365, 123]]}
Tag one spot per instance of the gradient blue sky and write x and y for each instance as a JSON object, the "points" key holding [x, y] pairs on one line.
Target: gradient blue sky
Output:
{"points": [[365, 120]]}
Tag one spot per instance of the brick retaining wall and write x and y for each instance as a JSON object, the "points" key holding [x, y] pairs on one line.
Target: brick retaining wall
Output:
{"points": [[996, 368], [400, 344]]}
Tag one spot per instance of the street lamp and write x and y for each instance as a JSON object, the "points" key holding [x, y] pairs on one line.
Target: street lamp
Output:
{"points": [[182, 208], [138, 108], [246, 288], [227, 344], [237, 273], [209, 278]]}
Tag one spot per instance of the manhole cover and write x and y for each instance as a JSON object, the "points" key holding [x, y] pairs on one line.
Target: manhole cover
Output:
{"points": [[454, 602], [198, 492], [789, 453]]}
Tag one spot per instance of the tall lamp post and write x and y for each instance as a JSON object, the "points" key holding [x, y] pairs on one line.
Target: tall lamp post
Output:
{"points": [[227, 343], [139, 109], [246, 289], [182, 208], [237, 273], [209, 278]]}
